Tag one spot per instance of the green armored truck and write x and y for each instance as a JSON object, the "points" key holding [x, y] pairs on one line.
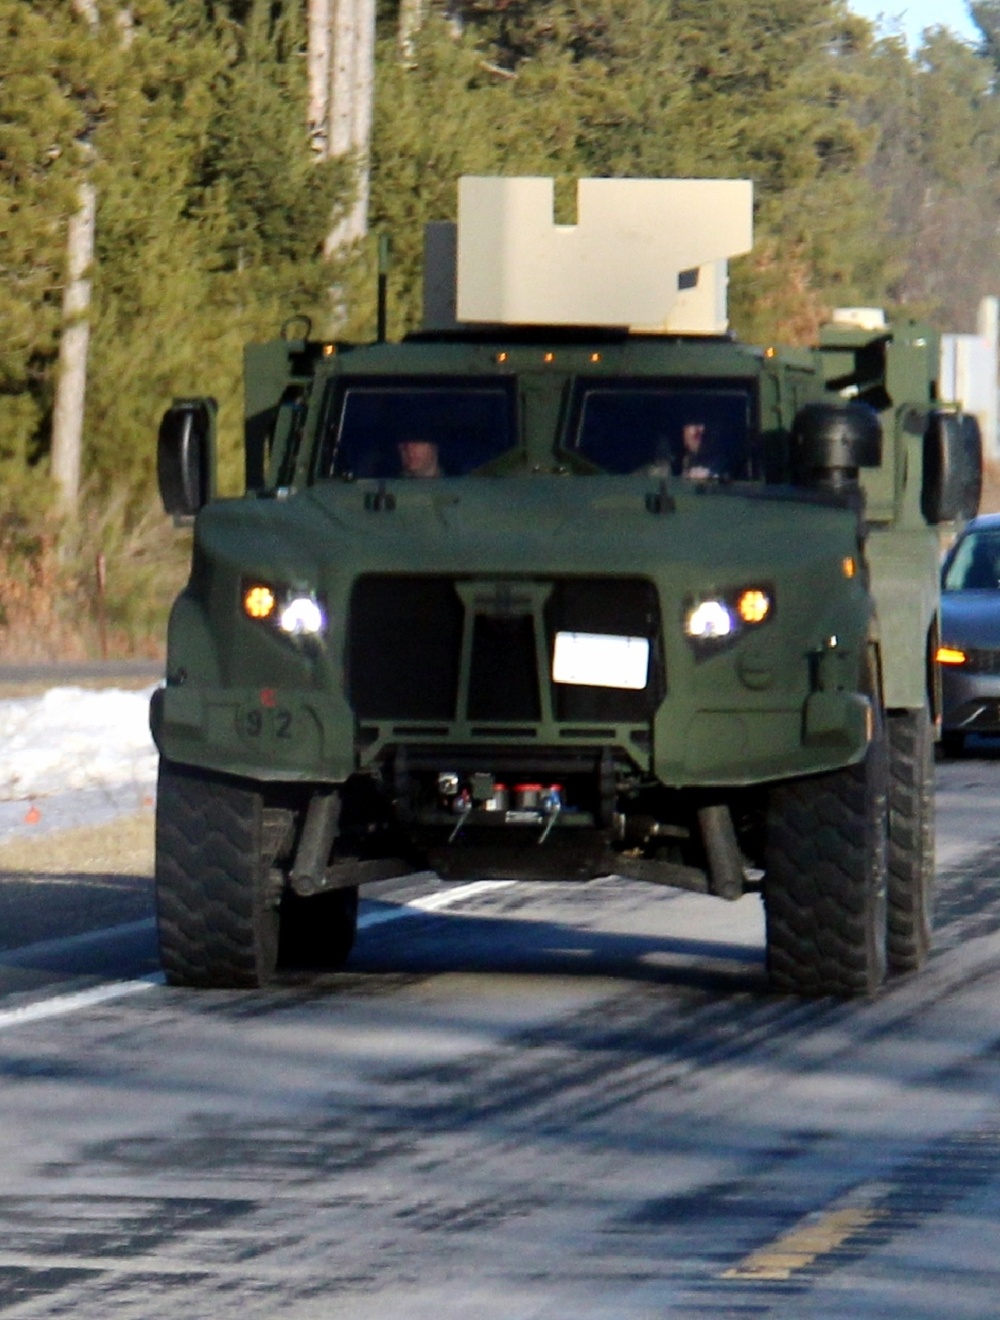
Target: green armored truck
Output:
{"points": [[568, 584]]}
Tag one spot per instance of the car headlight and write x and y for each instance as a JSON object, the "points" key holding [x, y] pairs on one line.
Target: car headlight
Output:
{"points": [[294, 612], [711, 620]]}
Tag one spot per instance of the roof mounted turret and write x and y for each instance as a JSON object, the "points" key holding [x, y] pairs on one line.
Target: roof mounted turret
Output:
{"points": [[649, 254]]}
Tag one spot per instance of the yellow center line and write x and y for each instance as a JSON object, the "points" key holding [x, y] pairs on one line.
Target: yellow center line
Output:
{"points": [[797, 1249]]}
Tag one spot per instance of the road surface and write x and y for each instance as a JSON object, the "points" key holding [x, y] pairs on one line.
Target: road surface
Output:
{"points": [[518, 1101]]}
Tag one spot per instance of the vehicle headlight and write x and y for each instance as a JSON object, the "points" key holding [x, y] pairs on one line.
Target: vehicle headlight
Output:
{"points": [[302, 616], [712, 620], [259, 601], [709, 619], [292, 611]]}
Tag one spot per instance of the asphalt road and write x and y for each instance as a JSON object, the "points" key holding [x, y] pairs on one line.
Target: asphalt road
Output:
{"points": [[518, 1101]]}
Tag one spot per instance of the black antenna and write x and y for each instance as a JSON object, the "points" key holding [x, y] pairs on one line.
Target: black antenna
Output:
{"points": [[383, 285]]}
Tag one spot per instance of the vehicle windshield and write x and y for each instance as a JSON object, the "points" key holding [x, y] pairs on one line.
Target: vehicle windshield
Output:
{"points": [[447, 429], [975, 564], [667, 428]]}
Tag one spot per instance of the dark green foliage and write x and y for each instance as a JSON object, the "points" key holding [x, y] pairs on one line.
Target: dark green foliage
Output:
{"points": [[875, 175]]}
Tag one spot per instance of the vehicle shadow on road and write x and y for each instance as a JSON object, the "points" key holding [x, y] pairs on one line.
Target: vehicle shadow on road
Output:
{"points": [[456, 942]]}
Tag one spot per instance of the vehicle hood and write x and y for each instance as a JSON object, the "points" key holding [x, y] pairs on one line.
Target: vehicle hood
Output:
{"points": [[971, 618]]}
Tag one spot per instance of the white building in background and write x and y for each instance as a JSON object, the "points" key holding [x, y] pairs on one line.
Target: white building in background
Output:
{"points": [[969, 373]]}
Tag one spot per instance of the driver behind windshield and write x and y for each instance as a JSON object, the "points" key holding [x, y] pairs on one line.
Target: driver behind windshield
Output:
{"points": [[418, 458]]}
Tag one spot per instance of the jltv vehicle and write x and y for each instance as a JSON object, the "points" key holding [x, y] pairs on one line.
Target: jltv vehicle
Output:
{"points": [[533, 594]]}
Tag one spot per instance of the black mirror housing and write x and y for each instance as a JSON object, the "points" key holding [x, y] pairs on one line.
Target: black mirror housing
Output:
{"points": [[185, 456], [831, 441], [953, 468]]}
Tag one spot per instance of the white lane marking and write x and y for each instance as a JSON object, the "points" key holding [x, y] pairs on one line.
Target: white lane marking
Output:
{"points": [[443, 898], [60, 1005]]}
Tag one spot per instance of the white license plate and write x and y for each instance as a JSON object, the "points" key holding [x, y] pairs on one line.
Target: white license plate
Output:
{"points": [[601, 660]]}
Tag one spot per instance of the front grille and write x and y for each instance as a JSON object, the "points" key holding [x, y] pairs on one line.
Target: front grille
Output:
{"points": [[404, 648], [981, 661], [503, 677], [407, 636]]}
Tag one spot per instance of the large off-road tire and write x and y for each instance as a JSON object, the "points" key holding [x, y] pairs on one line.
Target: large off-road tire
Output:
{"points": [[825, 879], [911, 839], [317, 933], [217, 908]]}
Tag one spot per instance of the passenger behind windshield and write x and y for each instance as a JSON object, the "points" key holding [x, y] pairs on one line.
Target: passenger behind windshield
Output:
{"points": [[695, 460], [700, 435]]}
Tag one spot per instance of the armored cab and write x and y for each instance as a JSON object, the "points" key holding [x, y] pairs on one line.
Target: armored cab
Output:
{"points": [[568, 584]]}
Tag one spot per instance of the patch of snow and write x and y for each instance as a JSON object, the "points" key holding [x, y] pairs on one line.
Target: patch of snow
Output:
{"points": [[76, 756]]}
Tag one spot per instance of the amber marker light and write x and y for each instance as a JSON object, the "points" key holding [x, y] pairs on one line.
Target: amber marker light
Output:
{"points": [[548, 357], [753, 605], [849, 565], [595, 357], [770, 352], [329, 350], [950, 655], [258, 601], [501, 357]]}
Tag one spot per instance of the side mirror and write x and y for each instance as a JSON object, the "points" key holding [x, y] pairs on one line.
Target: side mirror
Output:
{"points": [[831, 441], [953, 467], [185, 456]]}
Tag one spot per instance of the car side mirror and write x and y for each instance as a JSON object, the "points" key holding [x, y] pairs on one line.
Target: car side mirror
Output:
{"points": [[953, 467], [185, 456], [831, 441]]}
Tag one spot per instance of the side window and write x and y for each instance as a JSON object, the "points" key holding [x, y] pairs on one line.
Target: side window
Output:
{"points": [[285, 437], [666, 429], [391, 429]]}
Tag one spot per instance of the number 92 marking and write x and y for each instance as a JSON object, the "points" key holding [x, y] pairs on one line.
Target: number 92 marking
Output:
{"points": [[257, 723]]}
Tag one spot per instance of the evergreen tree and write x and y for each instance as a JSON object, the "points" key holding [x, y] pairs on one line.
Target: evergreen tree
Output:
{"points": [[45, 73], [937, 119]]}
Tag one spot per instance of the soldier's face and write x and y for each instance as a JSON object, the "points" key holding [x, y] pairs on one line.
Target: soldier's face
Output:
{"points": [[418, 458], [693, 434]]}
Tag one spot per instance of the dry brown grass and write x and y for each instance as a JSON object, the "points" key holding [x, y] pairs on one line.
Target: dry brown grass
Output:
{"points": [[123, 848], [51, 607]]}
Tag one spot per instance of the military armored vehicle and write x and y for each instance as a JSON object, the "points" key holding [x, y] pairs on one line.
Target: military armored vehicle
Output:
{"points": [[568, 584]]}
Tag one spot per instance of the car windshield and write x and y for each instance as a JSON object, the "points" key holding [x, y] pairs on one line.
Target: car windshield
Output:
{"points": [[975, 564], [666, 428], [444, 429]]}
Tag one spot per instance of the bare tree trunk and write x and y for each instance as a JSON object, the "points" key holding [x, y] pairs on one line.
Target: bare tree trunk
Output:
{"points": [[411, 19], [319, 42], [74, 342], [343, 77], [349, 109]]}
